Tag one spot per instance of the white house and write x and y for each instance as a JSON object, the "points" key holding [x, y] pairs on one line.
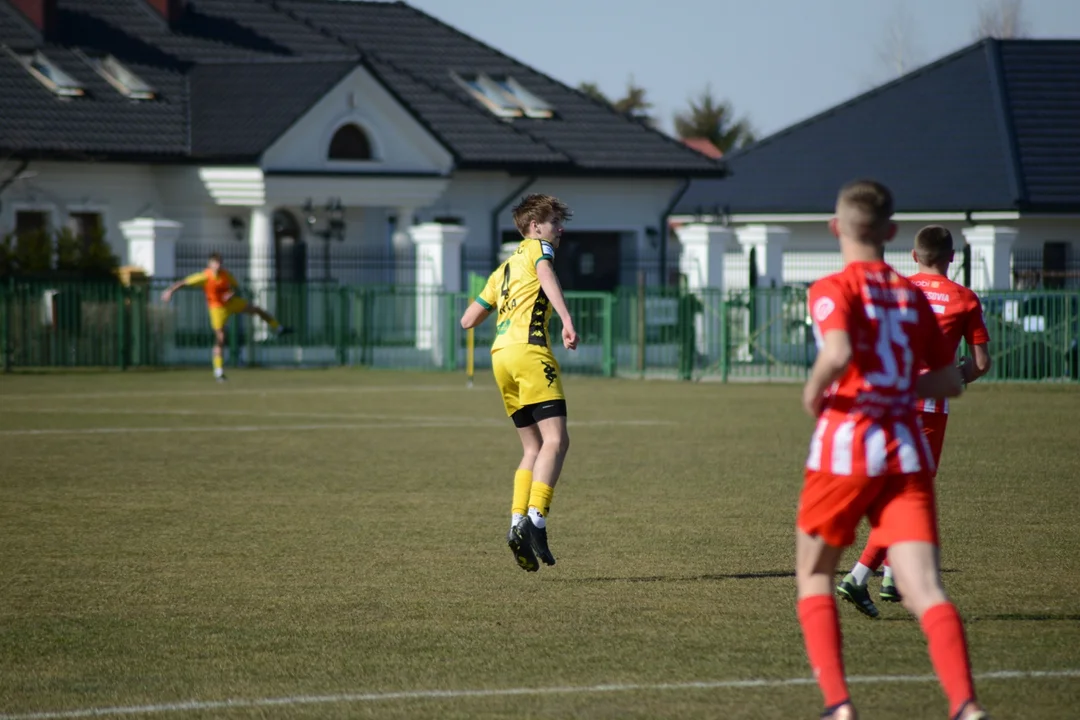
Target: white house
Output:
{"points": [[312, 139], [985, 141]]}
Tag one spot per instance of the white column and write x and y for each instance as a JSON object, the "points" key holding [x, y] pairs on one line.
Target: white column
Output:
{"points": [[764, 331], [768, 243], [261, 264], [702, 262], [438, 271], [991, 256], [152, 245]]}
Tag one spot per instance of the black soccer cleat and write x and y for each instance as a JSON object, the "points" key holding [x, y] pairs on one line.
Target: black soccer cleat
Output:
{"points": [[538, 540], [518, 540]]}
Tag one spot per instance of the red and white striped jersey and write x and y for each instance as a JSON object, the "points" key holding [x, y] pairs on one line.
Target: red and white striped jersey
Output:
{"points": [[869, 425], [960, 316]]}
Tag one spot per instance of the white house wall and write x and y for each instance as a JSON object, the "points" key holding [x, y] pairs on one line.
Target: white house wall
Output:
{"points": [[599, 204], [400, 144], [118, 191], [812, 251]]}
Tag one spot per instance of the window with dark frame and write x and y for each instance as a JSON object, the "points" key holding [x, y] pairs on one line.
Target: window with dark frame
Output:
{"points": [[350, 142], [31, 222], [85, 225]]}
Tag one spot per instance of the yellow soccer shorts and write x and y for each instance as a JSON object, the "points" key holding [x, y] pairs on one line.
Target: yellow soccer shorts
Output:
{"points": [[220, 315], [526, 375]]}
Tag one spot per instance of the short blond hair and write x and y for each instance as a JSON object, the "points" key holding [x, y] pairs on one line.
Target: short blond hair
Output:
{"points": [[864, 209], [539, 208]]}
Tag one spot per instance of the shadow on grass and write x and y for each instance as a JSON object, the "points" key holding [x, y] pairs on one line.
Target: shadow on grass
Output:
{"points": [[1028, 617], [708, 577]]}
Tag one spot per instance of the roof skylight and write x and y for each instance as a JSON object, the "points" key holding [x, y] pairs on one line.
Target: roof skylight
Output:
{"points": [[121, 78], [504, 96], [49, 74]]}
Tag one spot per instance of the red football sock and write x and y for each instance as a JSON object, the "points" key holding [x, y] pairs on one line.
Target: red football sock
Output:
{"points": [[821, 633], [872, 556], [944, 632]]}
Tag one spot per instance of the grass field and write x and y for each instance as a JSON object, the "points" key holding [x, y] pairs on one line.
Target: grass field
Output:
{"points": [[329, 544]]}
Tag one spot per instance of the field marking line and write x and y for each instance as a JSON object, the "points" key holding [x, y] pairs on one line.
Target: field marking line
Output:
{"points": [[342, 698], [227, 391], [343, 416], [461, 423]]}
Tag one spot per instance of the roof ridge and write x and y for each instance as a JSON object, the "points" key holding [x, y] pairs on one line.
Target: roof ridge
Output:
{"points": [[877, 90]]}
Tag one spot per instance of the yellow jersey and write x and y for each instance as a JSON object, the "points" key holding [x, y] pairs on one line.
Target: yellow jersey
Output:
{"points": [[514, 289]]}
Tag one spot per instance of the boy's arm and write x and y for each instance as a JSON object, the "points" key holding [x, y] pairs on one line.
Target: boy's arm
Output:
{"points": [[475, 314], [545, 272], [944, 379], [831, 362], [484, 305], [192, 279], [977, 338]]}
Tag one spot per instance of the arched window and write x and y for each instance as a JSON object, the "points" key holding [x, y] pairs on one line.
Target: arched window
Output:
{"points": [[350, 142]]}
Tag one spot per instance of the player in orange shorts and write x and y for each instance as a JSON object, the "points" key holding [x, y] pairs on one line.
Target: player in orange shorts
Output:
{"points": [[959, 314], [875, 329], [222, 302]]}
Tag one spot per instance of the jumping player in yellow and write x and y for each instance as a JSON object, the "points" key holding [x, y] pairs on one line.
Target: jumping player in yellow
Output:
{"points": [[222, 302], [524, 290]]}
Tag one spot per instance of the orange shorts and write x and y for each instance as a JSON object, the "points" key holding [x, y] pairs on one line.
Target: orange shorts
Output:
{"points": [[934, 432], [900, 508]]}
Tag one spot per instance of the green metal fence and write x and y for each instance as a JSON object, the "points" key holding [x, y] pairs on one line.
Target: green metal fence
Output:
{"points": [[761, 334]]}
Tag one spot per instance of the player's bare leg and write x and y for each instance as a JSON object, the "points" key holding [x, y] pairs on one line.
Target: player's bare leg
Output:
{"points": [[917, 574], [555, 441], [219, 355], [815, 565], [518, 536]]}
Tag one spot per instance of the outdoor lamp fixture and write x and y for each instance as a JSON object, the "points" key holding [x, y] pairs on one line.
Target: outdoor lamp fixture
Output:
{"points": [[653, 235], [335, 220], [237, 226]]}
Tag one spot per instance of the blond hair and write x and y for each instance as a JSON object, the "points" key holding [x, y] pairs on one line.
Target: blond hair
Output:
{"points": [[864, 210], [539, 208]]}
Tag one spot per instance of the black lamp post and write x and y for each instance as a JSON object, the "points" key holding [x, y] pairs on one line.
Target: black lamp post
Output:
{"points": [[334, 228]]}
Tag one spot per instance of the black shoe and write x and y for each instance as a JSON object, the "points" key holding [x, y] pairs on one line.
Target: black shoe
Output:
{"points": [[518, 540], [221, 378], [538, 540]]}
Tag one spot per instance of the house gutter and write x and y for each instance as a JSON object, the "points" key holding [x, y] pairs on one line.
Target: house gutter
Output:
{"points": [[664, 218], [495, 217]]}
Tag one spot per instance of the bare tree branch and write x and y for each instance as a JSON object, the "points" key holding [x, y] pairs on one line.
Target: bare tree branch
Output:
{"points": [[1000, 19]]}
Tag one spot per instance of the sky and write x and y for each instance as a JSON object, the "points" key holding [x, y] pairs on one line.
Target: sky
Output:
{"points": [[776, 61]]}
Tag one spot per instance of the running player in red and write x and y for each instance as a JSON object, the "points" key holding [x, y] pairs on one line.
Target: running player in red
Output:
{"points": [[867, 457], [959, 314]]}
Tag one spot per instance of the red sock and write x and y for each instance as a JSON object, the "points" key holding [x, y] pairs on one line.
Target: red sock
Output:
{"points": [[944, 632], [873, 556], [821, 633]]}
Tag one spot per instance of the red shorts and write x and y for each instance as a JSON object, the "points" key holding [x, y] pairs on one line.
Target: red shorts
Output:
{"points": [[934, 432], [900, 508]]}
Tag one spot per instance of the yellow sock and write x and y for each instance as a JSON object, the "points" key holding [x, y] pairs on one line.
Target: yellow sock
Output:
{"points": [[522, 485], [540, 497], [219, 362]]}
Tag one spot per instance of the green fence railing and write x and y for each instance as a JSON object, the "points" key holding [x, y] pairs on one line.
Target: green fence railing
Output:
{"points": [[761, 334]]}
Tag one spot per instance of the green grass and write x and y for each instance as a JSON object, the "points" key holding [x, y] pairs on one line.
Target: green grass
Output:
{"points": [[343, 533]]}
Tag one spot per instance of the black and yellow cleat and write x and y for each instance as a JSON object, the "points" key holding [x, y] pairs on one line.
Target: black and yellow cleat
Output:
{"points": [[538, 539], [858, 596], [518, 540], [889, 593]]}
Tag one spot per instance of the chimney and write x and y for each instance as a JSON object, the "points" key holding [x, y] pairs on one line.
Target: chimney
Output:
{"points": [[40, 12], [171, 10]]}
